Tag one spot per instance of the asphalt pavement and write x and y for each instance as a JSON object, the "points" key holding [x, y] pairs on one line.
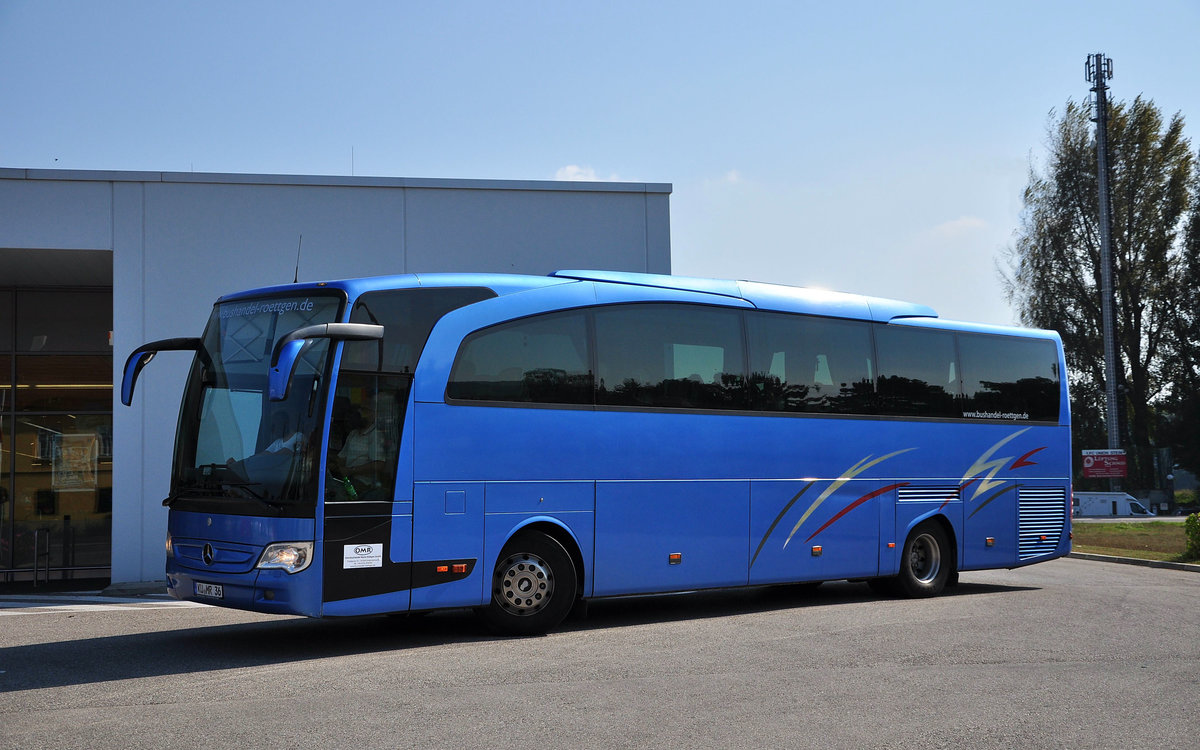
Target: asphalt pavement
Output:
{"points": [[1070, 653]]}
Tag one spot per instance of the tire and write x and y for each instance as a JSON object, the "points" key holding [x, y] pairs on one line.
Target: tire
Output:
{"points": [[925, 563], [533, 586]]}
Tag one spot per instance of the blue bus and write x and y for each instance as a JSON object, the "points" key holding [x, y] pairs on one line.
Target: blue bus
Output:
{"points": [[516, 444]]}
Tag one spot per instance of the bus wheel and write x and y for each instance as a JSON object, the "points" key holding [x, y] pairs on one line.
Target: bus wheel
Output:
{"points": [[533, 586], [925, 562]]}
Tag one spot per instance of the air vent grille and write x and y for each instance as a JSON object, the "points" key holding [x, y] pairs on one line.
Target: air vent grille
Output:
{"points": [[927, 494], [1043, 512]]}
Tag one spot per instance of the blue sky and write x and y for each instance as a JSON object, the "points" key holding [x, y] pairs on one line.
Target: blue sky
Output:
{"points": [[872, 147]]}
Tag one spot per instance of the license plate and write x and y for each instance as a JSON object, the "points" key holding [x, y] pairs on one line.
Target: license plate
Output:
{"points": [[210, 590]]}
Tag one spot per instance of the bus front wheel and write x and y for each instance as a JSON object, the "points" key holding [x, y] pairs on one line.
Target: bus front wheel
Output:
{"points": [[533, 586], [925, 562]]}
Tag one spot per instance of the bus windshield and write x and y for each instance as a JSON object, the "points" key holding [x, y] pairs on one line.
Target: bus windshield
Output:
{"points": [[237, 451]]}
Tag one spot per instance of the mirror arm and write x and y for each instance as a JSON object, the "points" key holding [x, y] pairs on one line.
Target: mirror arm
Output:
{"points": [[280, 377], [335, 331], [141, 357]]}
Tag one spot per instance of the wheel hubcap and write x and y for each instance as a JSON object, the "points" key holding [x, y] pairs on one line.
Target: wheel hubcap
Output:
{"points": [[925, 558], [524, 584]]}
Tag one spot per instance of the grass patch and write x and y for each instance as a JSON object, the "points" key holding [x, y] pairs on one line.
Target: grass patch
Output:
{"points": [[1149, 540]]}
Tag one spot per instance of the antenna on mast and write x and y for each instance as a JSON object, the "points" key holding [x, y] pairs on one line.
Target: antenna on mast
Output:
{"points": [[1098, 69], [296, 279]]}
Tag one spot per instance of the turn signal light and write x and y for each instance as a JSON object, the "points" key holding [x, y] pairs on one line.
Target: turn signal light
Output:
{"points": [[816, 550], [443, 569], [675, 558], [459, 567]]}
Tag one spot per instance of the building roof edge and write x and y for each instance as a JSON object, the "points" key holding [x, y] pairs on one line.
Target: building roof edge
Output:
{"points": [[232, 178]]}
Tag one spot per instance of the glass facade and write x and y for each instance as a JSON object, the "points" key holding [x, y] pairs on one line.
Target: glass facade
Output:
{"points": [[55, 433]]}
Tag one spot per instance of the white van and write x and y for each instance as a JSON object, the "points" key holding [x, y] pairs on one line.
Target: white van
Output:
{"points": [[1107, 504]]}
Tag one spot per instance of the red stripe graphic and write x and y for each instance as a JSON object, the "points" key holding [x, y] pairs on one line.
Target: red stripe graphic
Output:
{"points": [[855, 504], [1023, 460]]}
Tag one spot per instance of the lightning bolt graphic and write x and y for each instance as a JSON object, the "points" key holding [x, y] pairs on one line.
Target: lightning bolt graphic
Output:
{"points": [[982, 464]]}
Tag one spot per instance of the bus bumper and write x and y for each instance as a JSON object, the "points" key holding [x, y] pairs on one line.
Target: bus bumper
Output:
{"points": [[267, 591], [204, 566]]}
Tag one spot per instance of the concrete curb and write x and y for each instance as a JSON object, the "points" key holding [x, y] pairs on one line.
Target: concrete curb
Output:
{"points": [[136, 588], [1189, 567]]}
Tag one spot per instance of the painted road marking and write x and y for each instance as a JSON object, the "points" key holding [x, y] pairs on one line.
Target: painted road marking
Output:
{"points": [[15, 607]]}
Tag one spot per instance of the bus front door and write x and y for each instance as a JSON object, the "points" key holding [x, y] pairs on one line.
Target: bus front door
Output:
{"points": [[368, 518]]}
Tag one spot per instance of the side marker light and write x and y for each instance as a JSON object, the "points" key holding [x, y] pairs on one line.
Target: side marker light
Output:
{"points": [[675, 558], [443, 568], [816, 550], [460, 567], [991, 541], [891, 545]]}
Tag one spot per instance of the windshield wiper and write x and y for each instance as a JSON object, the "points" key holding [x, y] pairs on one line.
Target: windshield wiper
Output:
{"points": [[249, 494], [225, 489], [188, 492]]}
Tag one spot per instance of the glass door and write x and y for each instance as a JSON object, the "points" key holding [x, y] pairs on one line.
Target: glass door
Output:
{"points": [[55, 434]]}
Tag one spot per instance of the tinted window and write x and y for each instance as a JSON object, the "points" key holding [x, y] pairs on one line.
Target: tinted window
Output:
{"points": [[1009, 378], [918, 375], [806, 364], [543, 359], [677, 356], [64, 383], [408, 315], [5, 385], [231, 436], [6, 324], [63, 321], [364, 436]]}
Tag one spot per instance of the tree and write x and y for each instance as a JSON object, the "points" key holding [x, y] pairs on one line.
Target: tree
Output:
{"points": [[1183, 407], [1054, 267]]}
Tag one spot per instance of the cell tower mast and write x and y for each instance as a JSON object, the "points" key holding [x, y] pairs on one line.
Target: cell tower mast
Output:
{"points": [[1099, 69]]}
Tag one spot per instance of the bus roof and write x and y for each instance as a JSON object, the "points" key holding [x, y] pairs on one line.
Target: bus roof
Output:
{"points": [[762, 295], [769, 296], [500, 283]]}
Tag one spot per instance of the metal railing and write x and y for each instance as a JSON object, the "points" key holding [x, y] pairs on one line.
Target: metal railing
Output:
{"points": [[39, 553]]}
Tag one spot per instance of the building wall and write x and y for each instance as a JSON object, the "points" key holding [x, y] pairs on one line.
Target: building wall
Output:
{"points": [[179, 241]]}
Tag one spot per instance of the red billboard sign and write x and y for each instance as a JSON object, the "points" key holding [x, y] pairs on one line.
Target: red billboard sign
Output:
{"points": [[1104, 464]]}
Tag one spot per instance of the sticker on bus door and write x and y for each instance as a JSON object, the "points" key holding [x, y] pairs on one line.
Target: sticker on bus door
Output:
{"points": [[362, 556]]}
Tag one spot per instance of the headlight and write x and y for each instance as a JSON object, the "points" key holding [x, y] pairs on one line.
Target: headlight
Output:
{"points": [[290, 556]]}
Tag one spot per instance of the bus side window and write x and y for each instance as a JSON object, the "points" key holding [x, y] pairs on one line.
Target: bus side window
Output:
{"points": [[1009, 375], [803, 363], [542, 359], [916, 375], [670, 356]]}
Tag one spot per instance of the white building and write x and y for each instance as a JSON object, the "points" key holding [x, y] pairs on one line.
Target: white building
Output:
{"points": [[92, 264]]}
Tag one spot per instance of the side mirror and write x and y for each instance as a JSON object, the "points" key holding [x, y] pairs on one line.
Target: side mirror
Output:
{"points": [[291, 346], [142, 356]]}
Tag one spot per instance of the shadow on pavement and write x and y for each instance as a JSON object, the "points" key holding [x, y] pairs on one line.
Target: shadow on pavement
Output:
{"points": [[281, 641]]}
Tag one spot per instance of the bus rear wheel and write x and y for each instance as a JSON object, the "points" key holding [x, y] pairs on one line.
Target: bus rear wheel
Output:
{"points": [[925, 562], [533, 586]]}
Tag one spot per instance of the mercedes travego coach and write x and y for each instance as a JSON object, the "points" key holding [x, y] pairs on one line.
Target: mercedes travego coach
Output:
{"points": [[515, 444]]}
